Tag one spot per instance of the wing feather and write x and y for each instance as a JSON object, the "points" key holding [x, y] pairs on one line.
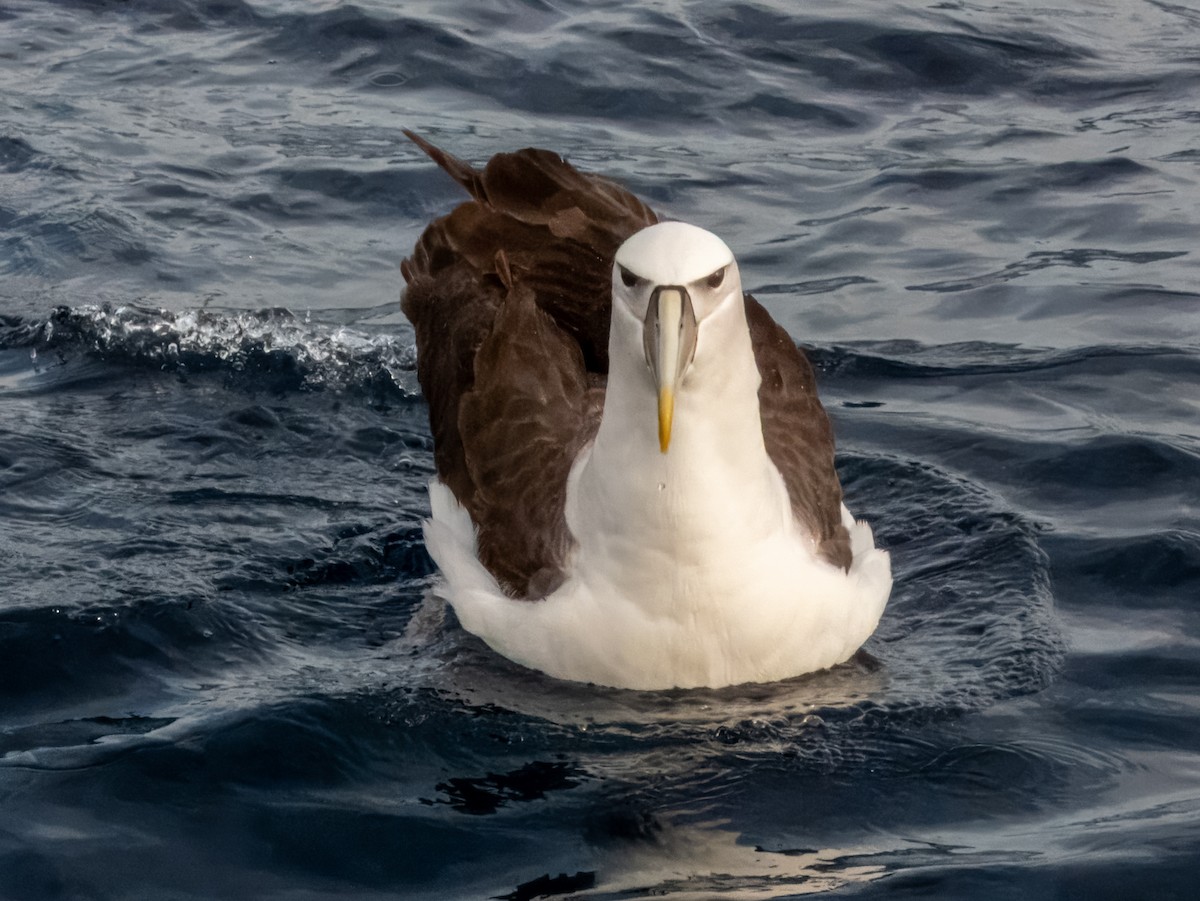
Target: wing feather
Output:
{"points": [[510, 298]]}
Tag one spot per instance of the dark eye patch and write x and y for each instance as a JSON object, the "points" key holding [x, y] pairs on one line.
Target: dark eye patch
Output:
{"points": [[714, 280], [628, 279]]}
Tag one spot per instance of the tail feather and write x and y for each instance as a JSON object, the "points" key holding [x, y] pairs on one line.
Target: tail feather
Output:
{"points": [[460, 170]]}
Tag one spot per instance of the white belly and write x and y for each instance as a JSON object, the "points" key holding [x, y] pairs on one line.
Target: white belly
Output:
{"points": [[743, 612]]}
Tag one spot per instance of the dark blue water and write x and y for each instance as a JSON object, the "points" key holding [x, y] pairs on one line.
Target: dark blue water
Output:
{"points": [[220, 673]]}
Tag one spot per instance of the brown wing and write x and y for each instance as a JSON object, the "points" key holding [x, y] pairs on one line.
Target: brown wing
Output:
{"points": [[510, 298], [797, 433]]}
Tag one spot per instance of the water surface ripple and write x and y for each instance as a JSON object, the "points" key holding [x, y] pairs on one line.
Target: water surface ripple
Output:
{"points": [[221, 672]]}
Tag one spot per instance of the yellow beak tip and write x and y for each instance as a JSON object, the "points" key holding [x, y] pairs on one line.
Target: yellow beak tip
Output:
{"points": [[666, 413]]}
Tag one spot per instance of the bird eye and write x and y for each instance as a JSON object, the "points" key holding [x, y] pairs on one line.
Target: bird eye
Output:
{"points": [[714, 280], [628, 279]]}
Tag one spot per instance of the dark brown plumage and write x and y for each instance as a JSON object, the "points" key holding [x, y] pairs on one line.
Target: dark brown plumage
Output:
{"points": [[510, 298]]}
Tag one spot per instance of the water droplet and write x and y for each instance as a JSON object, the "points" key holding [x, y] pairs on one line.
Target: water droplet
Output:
{"points": [[388, 79]]}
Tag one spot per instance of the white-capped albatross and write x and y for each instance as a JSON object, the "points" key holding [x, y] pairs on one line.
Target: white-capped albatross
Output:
{"points": [[635, 477]]}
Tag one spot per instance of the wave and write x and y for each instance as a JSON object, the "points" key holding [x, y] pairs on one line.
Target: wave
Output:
{"points": [[905, 359], [281, 350], [381, 48]]}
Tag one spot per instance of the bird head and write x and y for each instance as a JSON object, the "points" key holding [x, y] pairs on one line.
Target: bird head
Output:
{"points": [[673, 277]]}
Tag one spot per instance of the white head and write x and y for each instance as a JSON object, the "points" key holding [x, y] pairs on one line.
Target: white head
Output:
{"points": [[672, 277]]}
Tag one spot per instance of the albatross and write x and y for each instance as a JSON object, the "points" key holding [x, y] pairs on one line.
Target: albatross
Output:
{"points": [[635, 477]]}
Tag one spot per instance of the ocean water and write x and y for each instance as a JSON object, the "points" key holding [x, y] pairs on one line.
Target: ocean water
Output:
{"points": [[221, 673]]}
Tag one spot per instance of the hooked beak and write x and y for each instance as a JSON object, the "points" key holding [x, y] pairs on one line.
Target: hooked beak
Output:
{"points": [[669, 338]]}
